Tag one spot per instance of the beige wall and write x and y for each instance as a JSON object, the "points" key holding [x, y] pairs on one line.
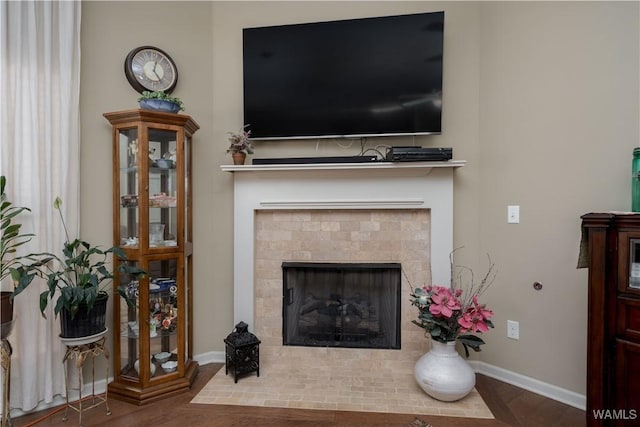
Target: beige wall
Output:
{"points": [[540, 98], [558, 121]]}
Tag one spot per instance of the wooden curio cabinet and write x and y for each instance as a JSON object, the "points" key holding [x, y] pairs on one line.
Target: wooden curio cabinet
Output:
{"points": [[152, 316], [613, 341]]}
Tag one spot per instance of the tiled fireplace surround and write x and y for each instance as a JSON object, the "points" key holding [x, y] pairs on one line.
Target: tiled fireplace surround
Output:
{"points": [[339, 213]]}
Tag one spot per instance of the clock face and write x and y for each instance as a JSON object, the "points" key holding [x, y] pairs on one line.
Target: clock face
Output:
{"points": [[149, 68]]}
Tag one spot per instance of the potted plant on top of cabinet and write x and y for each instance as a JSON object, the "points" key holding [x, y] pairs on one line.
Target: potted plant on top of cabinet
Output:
{"points": [[160, 101], [76, 281]]}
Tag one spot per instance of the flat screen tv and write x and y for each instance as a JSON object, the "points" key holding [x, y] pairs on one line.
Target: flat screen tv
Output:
{"points": [[349, 78]]}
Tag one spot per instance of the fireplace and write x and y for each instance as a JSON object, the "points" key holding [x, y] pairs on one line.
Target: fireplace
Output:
{"points": [[351, 305], [373, 213], [379, 213]]}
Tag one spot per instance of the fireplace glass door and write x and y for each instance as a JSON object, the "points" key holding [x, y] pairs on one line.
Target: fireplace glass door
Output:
{"points": [[341, 305]]}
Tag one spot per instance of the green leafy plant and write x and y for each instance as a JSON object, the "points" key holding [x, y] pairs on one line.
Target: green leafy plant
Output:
{"points": [[11, 237], [163, 96], [76, 277]]}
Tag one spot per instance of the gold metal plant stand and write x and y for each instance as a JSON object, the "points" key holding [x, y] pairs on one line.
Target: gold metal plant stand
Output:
{"points": [[6, 377], [80, 354]]}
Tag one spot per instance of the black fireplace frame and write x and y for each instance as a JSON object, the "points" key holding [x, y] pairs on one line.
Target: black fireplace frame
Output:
{"points": [[391, 343]]}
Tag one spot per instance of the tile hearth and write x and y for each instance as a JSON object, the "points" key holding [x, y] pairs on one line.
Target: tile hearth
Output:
{"points": [[337, 378], [317, 386]]}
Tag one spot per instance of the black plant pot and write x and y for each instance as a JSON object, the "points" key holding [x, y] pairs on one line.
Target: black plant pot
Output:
{"points": [[85, 323], [6, 311]]}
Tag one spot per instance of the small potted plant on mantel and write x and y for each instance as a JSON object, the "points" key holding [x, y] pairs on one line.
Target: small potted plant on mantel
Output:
{"points": [[240, 145], [76, 278], [160, 101]]}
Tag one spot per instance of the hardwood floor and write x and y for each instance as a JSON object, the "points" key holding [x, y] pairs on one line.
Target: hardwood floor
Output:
{"points": [[510, 405]]}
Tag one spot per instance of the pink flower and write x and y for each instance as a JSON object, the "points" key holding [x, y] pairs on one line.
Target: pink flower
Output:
{"points": [[455, 313], [474, 317], [481, 310], [470, 321], [443, 302]]}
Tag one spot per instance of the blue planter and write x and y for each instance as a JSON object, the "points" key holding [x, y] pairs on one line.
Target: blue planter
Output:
{"points": [[159, 105]]}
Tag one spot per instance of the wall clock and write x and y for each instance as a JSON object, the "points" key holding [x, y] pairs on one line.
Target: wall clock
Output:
{"points": [[149, 68]]}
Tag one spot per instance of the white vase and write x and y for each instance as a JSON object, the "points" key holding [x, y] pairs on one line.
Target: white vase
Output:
{"points": [[443, 374]]}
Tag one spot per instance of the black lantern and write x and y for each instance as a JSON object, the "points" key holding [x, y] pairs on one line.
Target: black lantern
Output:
{"points": [[242, 352]]}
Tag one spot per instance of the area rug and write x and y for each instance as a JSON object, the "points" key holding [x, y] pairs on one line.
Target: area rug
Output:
{"points": [[310, 388]]}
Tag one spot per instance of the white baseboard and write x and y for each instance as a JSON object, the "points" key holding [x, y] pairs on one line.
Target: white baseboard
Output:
{"points": [[551, 391], [210, 357]]}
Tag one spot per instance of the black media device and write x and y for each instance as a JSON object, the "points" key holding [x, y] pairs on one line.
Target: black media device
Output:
{"points": [[312, 160], [418, 154], [349, 78]]}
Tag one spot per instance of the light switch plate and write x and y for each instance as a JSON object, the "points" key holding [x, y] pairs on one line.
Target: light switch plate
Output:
{"points": [[513, 214]]}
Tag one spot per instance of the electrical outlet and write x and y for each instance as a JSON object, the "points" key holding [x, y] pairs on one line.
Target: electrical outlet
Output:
{"points": [[513, 329]]}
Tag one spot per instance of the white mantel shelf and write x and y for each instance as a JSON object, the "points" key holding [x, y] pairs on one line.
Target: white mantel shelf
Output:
{"points": [[344, 166]]}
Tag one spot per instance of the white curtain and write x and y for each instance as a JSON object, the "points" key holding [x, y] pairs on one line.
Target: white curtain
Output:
{"points": [[39, 155]]}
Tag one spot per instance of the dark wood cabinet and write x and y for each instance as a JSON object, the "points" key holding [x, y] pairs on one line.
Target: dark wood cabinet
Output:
{"points": [[613, 347]]}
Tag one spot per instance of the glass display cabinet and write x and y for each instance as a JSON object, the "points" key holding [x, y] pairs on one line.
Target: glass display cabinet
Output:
{"points": [[152, 315]]}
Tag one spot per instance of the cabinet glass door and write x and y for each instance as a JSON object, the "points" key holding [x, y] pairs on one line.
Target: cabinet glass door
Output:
{"points": [[129, 308], [129, 151], [634, 263], [164, 310], [163, 189], [187, 191], [156, 318]]}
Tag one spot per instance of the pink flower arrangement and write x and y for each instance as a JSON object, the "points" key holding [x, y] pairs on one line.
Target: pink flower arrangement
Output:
{"points": [[453, 313]]}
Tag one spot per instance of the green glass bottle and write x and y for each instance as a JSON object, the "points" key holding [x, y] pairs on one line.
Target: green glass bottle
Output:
{"points": [[635, 181]]}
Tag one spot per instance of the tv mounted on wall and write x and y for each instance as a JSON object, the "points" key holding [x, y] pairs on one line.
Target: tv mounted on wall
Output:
{"points": [[351, 78]]}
